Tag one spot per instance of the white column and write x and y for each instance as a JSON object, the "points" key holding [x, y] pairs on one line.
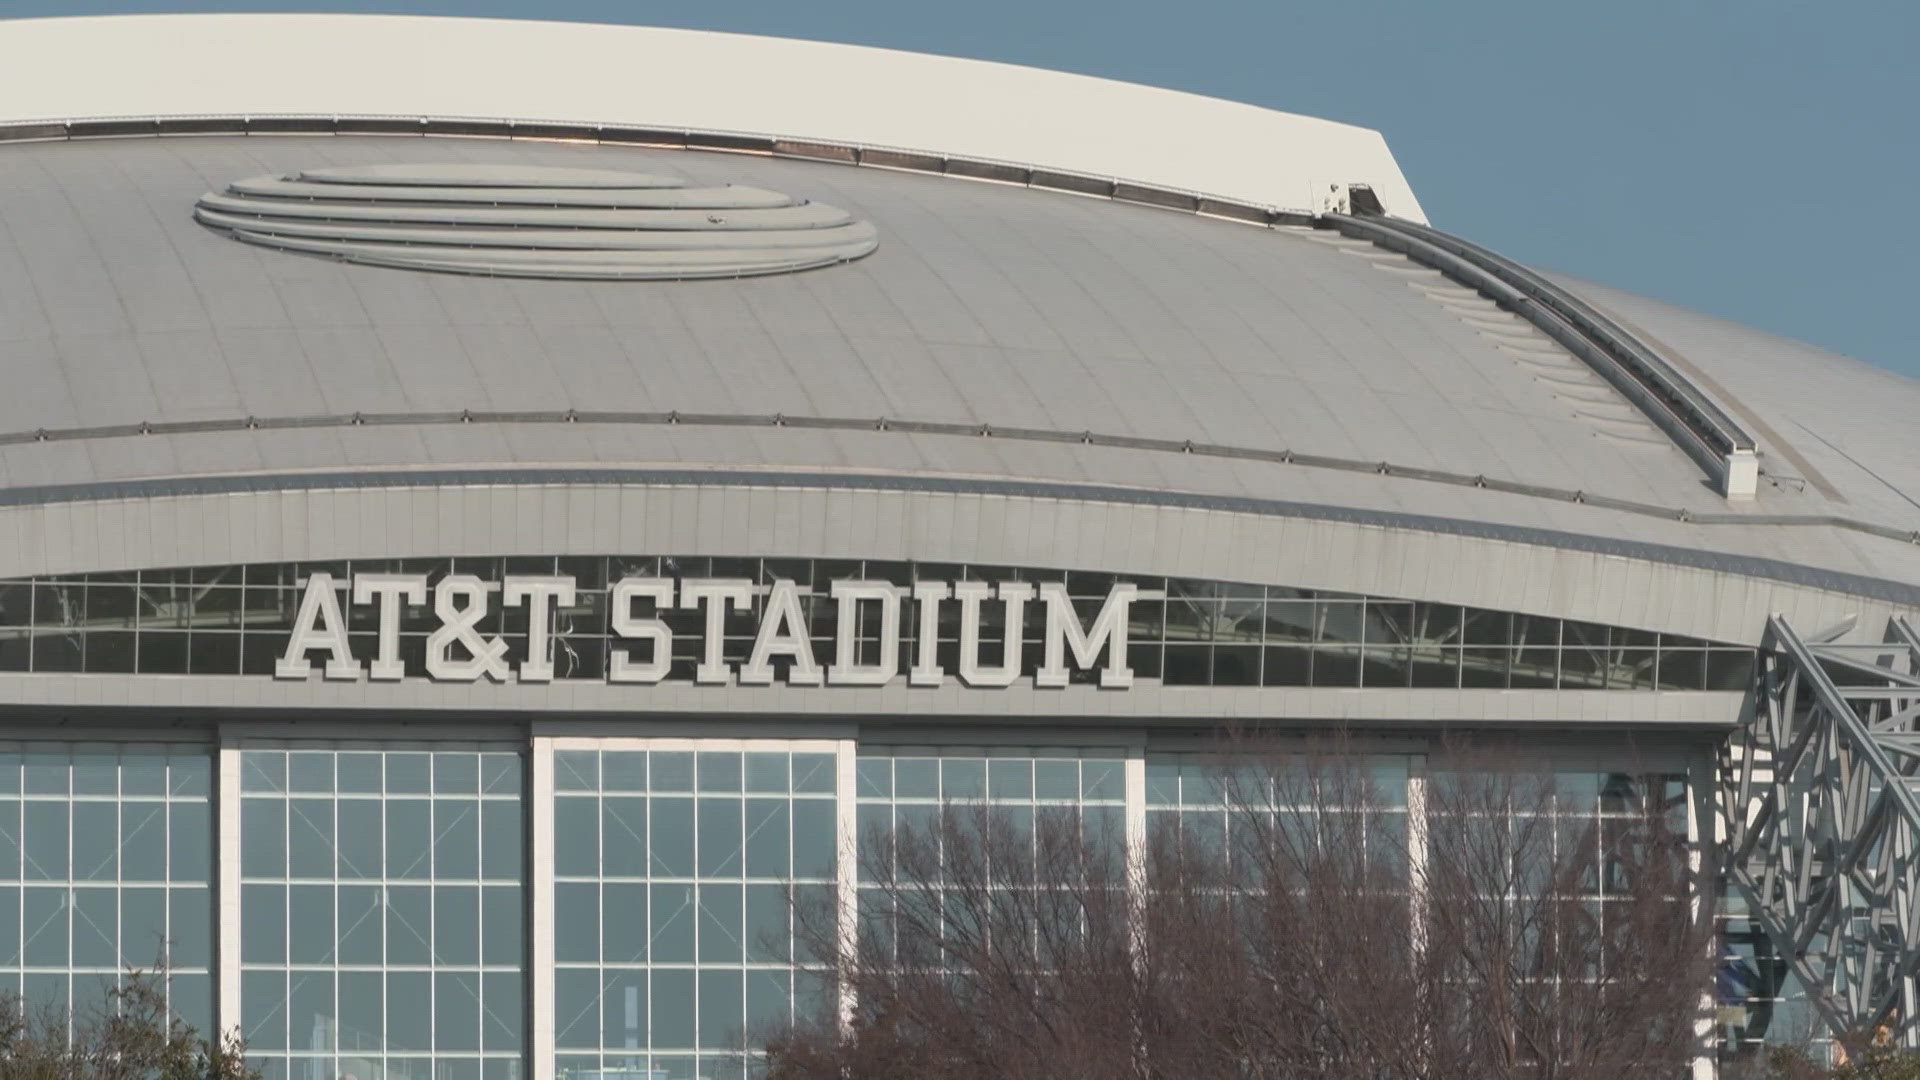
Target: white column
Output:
{"points": [[847, 865], [226, 877], [1417, 853], [1136, 817], [539, 879], [1136, 853], [1701, 791]]}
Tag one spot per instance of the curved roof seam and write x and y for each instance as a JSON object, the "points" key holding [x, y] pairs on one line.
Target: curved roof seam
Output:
{"points": [[931, 427], [1752, 566], [1772, 440], [1665, 397], [1118, 189]]}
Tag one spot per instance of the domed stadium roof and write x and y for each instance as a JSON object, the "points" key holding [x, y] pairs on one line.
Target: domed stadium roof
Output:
{"points": [[999, 333]]}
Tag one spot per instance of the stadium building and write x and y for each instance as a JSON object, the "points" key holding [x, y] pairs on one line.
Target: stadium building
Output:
{"points": [[486, 506]]}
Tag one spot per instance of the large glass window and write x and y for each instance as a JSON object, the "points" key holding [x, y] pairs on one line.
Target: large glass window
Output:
{"points": [[381, 912], [905, 789], [105, 859], [1204, 799], [1758, 999], [676, 869], [236, 620]]}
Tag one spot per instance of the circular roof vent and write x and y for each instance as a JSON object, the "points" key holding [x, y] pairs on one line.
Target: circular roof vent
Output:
{"points": [[520, 221]]}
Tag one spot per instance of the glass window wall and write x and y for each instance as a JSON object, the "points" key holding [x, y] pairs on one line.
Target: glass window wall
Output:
{"points": [[906, 787], [105, 859], [382, 914], [236, 620], [676, 868]]}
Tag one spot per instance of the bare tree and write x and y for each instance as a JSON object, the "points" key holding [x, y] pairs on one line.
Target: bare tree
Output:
{"points": [[1313, 929], [129, 1035], [1563, 945]]}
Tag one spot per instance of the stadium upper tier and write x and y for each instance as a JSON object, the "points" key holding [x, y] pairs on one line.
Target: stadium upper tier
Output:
{"points": [[999, 334]]}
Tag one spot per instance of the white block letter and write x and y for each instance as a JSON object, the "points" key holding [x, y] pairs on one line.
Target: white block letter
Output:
{"points": [[390, 590], [621, 668], [847, 597], [1014, 594], [461, 602], [783, 631], [718, 594], [318, 626], [926, 656], [1063, 633], [540, 592]]}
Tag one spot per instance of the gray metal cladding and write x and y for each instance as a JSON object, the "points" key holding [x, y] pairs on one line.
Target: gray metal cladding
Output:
{"points": [[535, 221], [998, 334]]}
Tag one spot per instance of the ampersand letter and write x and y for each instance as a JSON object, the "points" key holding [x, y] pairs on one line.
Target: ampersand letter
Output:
{"points": [[461, 602]]}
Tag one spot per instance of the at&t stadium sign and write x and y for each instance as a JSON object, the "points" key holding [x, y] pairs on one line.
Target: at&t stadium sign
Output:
{"points": [[869, 618]]}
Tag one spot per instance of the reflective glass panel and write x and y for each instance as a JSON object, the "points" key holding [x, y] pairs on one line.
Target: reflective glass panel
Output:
{"points": [[381, 911]]}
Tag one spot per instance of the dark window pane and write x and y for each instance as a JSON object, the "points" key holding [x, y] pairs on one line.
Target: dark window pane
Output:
{"points": [[456, 924], [213, 653], [1486, 627], [263, 930], [1389, 622], [409, 833], [1236, 665], [259, 652], [16, 604], [1287, 665], [671, 771], [409, 924], [1536, 630], [456, 774], [192, 927], [16, 650], [671, 850], [1537, 669], [720, 837], [56, 652], [576, 770], [263, 832], [1436, 623], [190, 841], [1729, 669], [623, 836], [1632, 669], [310, 925], [1583, 665], [1583, 635], [1339, 621], [1683, 669], [719, 771], [1436, 667], [360, 835], [456, 838], [1484, 667], [1382, 666], [110, 650], [1335, 666], [623, 918], [58, 604], [1188, 665], [623, 770]]}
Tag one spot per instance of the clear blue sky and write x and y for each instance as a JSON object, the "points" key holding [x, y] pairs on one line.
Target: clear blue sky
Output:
{"points": [[1749, 158]]}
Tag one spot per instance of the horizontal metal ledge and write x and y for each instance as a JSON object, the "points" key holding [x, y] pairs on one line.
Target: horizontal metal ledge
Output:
{"points": [[931, 427], [1879, 589], [53, 698]]}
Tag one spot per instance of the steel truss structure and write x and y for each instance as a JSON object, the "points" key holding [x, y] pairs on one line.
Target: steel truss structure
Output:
{"points": [[1820, 792]]}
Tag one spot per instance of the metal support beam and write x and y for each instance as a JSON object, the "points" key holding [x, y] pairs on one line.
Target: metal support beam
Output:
{"points": [[1822, 823]]}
